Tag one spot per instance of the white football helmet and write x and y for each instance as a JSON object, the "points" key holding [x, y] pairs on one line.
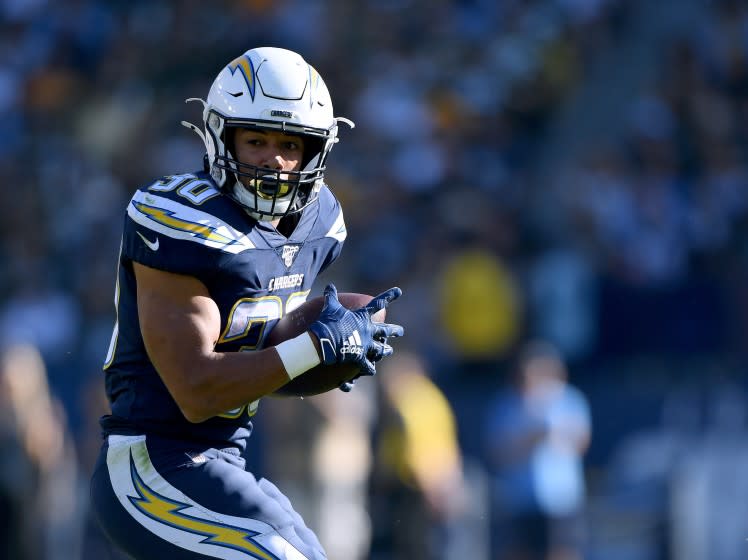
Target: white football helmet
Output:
{"points": [[269, 88]]}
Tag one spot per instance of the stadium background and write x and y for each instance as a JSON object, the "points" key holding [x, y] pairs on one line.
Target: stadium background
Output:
{"points": [[571, 170]]}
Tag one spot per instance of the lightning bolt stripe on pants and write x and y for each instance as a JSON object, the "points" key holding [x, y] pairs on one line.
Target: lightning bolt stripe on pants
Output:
{"points": [[165, 511]]}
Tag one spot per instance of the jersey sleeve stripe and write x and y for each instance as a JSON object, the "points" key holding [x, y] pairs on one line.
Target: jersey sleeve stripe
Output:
{"points": [[338, 230], [179, 221]]}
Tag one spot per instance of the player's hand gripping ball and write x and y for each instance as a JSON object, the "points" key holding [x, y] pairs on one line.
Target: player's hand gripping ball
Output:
{"points": [[352, 335]]}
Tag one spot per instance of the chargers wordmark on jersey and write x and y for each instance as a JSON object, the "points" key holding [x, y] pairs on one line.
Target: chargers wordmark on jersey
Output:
{"points": [[281, 282]]}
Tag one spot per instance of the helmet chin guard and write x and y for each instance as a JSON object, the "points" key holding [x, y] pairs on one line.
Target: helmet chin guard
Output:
{"points": [[269, 88]]}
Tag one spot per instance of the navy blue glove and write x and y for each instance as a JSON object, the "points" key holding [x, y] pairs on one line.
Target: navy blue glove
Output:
{"points": [[350, 336]]}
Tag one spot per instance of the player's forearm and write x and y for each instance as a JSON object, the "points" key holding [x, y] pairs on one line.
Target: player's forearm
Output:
{"points": [[220, 381]]}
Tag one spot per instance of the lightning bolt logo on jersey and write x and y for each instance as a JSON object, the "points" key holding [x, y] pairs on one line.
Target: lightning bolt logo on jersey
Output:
{"points": [[183, 224]]}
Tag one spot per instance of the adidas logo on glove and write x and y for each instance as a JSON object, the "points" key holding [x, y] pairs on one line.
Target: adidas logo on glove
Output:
{"points": [[352, 345]]}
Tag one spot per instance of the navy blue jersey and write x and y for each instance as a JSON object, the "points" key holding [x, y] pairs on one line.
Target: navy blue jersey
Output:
{"points": [[183, 224]]}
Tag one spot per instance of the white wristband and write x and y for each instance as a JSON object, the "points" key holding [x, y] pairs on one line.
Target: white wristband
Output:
{"points": [[298, 354]]}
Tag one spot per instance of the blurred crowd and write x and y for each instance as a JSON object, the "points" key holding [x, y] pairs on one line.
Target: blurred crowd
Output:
{"points": [[566, 171]]}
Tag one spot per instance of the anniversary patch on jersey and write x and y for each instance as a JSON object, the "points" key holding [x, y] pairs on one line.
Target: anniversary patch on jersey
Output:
{"points": [[288, 254]]}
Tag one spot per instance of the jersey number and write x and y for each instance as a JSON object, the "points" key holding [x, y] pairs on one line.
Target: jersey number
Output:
{"points": [[248, 320], [187, 186], [249, 317]]}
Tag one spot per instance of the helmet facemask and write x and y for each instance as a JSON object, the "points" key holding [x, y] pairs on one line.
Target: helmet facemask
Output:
{"points": [[267, 193]]}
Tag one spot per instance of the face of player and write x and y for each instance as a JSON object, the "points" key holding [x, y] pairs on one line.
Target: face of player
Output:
{"points": [[269, 148]]}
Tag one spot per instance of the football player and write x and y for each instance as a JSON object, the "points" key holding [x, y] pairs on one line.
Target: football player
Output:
{"points": [[209, 262]]}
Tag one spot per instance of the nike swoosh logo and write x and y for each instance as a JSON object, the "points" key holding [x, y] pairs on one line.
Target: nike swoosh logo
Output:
{"points": [[152, 245]]}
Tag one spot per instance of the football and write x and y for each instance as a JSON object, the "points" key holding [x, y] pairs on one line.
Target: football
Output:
{"points": [[321, 378]]}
